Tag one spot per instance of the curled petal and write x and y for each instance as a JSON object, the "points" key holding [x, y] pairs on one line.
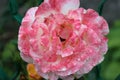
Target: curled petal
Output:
{"points": [[29, 17], [23, 38]]}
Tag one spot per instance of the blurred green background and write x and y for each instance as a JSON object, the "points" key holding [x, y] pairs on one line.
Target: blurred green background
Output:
{"points": [[12, 67]]}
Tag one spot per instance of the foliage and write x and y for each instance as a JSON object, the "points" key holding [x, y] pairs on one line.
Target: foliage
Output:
{"points": [[110, 66]]}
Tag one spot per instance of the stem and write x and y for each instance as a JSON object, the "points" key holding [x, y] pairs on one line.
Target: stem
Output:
{"points": [[100, 7]]}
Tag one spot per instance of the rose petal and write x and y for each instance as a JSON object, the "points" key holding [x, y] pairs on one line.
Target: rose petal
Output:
{"points": [[29, 17], [64, 6], [23, 39], [43, 11], [26, 58], [97, 21]]}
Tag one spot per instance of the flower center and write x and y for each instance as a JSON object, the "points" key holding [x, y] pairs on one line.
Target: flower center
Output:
{"points": [[65, 31], [61, 39]]}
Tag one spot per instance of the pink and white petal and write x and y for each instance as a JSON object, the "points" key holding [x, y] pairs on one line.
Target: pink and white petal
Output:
{"points": [[23, 43], [43, 11], [26, 58], [104, 46], [64, 6], [38, 69], [66, 52], [29, 17], [104, 25], [46, 75], [77, 14], [98, 22], [69, 5], [90, 37], [23, 39]]}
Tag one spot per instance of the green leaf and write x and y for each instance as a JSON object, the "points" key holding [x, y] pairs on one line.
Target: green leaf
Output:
{"points": [[14, 10], [112, 71], [18, 17], [13, 6], [113, 36], [116, 55], [8, 51], [94, 74]]}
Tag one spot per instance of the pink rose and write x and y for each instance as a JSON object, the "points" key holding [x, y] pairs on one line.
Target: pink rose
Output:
{"points": [[62, 40]]}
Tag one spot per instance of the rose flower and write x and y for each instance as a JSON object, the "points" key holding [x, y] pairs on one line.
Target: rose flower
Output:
{"points": [[62, 40]]}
